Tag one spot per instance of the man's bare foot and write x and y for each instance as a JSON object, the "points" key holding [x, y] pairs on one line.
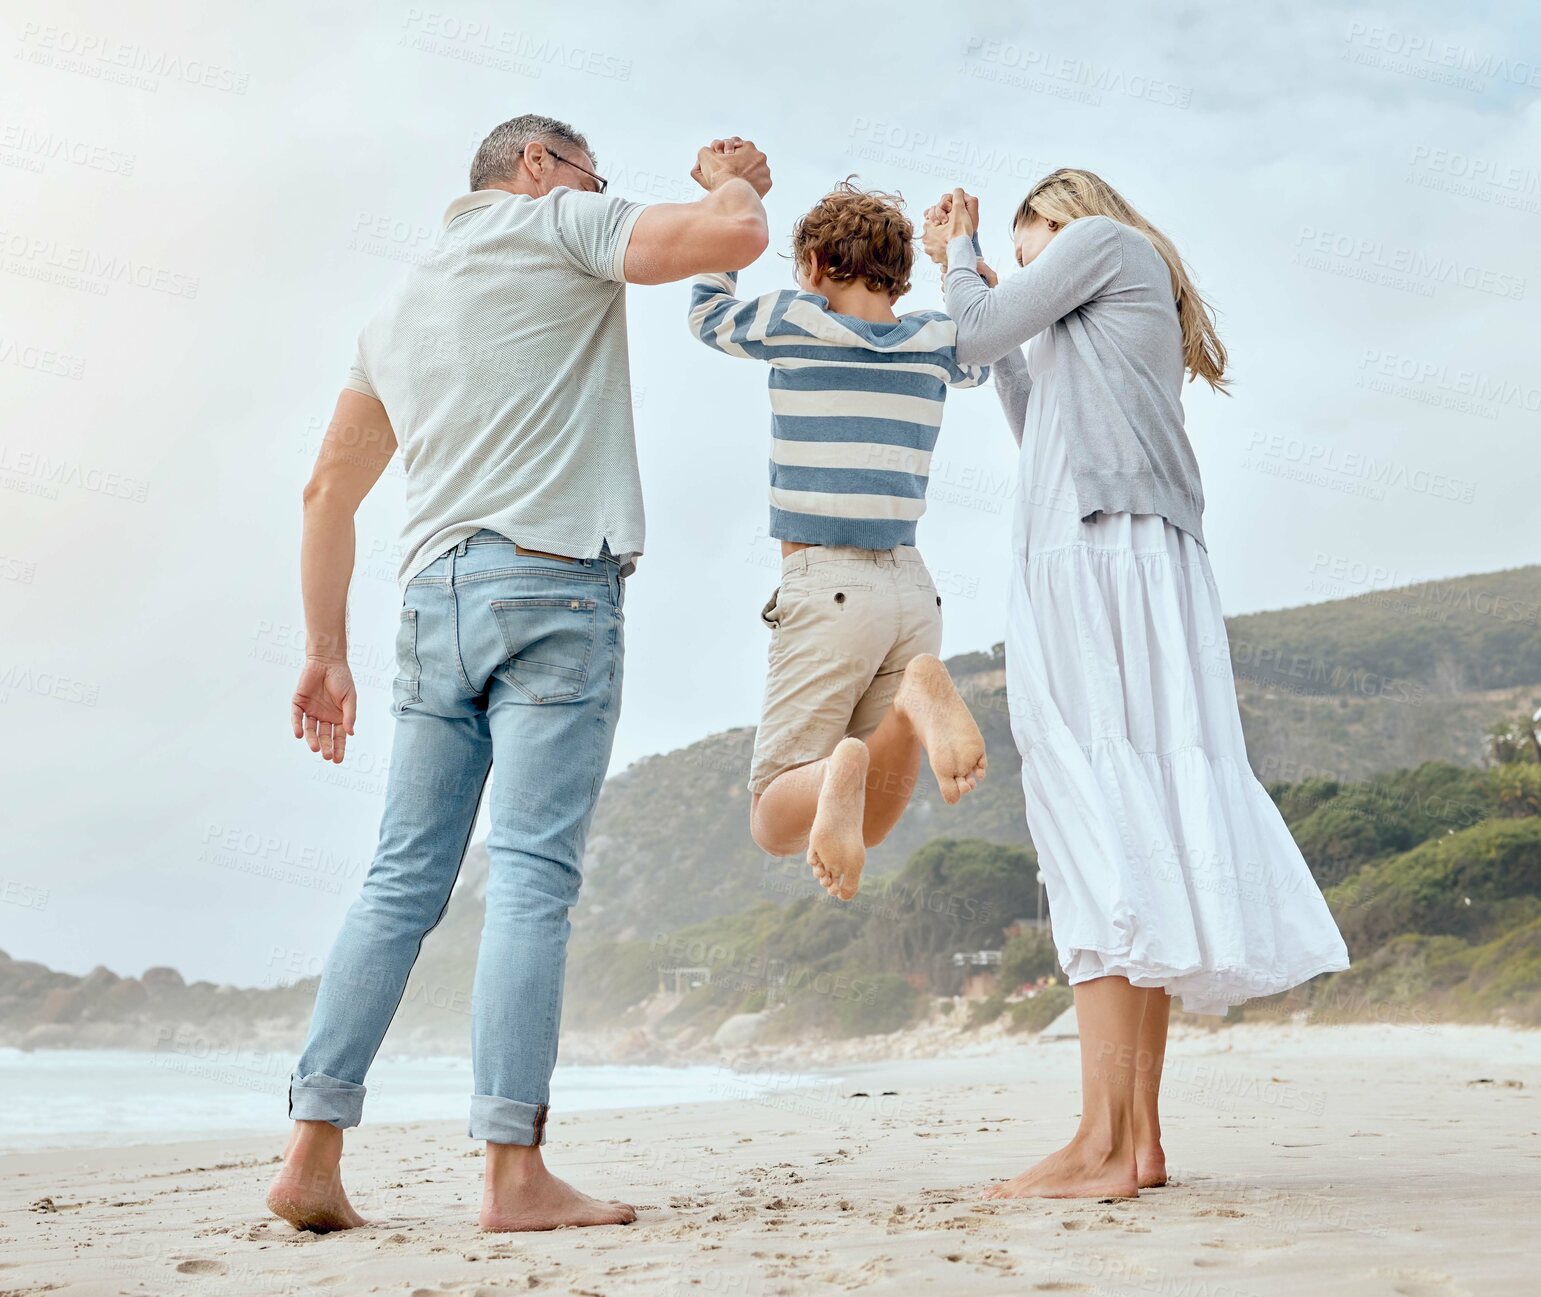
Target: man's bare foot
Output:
{"points": [[307, 1192], [1151, 1161], [1077, 1171], [836, 848], [928, 699], [520, 1194]]}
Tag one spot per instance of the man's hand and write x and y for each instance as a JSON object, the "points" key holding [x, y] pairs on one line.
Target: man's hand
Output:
{"points": [[722, 160], [325, 706]]}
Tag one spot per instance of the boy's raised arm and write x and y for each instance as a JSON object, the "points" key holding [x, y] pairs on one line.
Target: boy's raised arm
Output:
{"points": [[733, 327]]}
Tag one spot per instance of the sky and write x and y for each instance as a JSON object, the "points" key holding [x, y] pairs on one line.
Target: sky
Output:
{"points": [[199, 208]]}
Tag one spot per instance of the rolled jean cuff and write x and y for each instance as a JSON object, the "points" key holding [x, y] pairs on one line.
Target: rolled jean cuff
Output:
{"points": [[318, 1097], [507, 1121]]}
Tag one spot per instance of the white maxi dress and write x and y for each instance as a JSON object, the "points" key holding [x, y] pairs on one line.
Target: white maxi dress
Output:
{"points": [[1165, 861]]}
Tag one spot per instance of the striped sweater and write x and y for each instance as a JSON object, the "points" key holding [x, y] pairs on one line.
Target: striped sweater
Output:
{"points": [[855, 408]]}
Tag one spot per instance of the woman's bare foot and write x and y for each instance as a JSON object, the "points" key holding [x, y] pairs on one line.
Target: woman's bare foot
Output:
{"points": [[307, 1192], [1151, 1161], [521, 1194], [1079, 1170], [836, 848], [928, 699]]}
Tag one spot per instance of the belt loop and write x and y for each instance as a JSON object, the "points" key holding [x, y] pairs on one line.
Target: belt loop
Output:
{"points": [[464, 545]]}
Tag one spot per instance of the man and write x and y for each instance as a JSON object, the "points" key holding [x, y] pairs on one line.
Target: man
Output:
{"points": [[500, 368]]}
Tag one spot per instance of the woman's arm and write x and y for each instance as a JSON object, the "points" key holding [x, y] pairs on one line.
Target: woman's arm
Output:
{"points": [[1079, 263], [1013, 384]]}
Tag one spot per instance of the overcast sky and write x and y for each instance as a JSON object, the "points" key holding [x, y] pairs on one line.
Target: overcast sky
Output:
{"points": [[201, 209]]}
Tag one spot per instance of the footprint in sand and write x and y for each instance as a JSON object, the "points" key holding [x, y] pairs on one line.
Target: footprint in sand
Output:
{"points": [[1421, 1283], [202, 1265]]}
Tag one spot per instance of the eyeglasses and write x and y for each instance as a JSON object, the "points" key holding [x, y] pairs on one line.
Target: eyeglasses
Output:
{"points": [[592, 175]]}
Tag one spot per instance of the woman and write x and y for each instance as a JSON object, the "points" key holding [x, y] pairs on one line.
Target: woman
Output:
{"points": [[1169, 869]]}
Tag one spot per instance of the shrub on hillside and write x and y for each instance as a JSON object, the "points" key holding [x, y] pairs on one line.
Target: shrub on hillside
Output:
{"points": [[1474, 883], [1026, 957], [1037, 1013]]}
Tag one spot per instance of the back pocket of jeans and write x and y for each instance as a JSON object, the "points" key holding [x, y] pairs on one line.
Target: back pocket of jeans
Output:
{"points": [[549, 642], [407, 688]]}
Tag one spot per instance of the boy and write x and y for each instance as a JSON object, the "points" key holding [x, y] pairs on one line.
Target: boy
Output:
{"points": [[854, 689]]}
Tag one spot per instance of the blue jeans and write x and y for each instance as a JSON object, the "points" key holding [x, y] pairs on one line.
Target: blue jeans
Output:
{"points": [[506, 663]]}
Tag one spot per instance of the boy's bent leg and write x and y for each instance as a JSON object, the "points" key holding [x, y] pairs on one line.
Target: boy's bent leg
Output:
{"points": [[895, 763], [819, 807]]}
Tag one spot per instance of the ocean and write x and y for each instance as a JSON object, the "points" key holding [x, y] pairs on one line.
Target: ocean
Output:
{"points": [[77, 1097]]}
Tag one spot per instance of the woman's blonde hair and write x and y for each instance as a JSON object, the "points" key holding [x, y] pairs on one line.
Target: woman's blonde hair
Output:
{"points": [[1068, 194]]}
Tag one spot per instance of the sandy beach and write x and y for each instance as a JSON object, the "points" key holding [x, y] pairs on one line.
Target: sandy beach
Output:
{"points": [[1353, 1160]]}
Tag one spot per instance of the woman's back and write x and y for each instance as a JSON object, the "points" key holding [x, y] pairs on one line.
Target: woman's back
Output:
{"points": [[1107, 293]]}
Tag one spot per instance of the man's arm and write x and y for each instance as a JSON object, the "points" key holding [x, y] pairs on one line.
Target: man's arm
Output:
{"points": [[725, 230], [358, 445]]}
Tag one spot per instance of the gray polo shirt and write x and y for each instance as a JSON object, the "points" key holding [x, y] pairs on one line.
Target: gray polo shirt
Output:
{"points": [[501, 361]]}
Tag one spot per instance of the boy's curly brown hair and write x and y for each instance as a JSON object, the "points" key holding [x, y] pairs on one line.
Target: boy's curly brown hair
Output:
{"points": [[853, 233]]}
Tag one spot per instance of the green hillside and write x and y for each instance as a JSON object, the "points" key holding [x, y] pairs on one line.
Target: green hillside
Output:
{"points": [[1371, 720], [1375, 683]]}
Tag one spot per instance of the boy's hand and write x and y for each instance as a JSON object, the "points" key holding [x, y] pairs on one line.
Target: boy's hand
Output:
{"points": [[954, 214], [722, 160], [985, 273]]}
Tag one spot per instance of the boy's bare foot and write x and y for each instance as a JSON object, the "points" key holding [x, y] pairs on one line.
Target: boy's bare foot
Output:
{"points": [[1079, 1170], [836, 848], [928, 699], [307, 1192], [1151, 1161], [521, 1194]]}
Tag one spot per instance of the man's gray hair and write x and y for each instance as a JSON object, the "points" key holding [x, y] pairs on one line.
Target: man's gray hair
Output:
{"points": [[500, 153]]}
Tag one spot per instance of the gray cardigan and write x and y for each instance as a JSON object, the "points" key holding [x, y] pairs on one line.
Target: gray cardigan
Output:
{"points": [[1107, 294]]}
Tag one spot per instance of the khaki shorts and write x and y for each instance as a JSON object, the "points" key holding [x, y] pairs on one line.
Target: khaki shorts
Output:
{"points": [[845, 622]]}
